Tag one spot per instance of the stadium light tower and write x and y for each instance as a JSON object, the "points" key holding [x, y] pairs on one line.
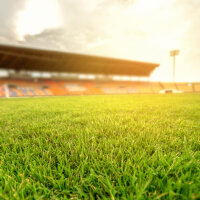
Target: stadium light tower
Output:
{"points": [[174, 53]]}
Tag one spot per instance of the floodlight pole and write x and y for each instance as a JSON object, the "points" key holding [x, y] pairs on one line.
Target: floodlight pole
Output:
{"points": [[174, 53], [174, 61]]}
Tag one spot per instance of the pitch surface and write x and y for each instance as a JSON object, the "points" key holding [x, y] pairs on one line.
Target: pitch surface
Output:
{"points": [[98, 147]]}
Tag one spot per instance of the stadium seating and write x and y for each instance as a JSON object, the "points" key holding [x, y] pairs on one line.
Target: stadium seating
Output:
{"points": [[15, 92], [2, 91], [23, 88], [76, 88], [143, 87], [185, 87], [157, 87], [96, 90], [197, 87], [169, 86]]}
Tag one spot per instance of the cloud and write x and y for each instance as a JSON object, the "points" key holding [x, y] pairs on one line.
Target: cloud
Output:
{"points": [[9, 10], [49, 38], [133, 29]]}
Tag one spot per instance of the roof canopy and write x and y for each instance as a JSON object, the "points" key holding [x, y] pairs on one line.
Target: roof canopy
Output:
{"points": [[20, 58]]}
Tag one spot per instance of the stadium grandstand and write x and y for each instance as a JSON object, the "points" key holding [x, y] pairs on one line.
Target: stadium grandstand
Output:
{"points": [[36, 72]]}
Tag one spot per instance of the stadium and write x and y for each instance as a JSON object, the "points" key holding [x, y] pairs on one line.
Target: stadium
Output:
{"points": [[99, 100], [14, 85], [119, 140]]}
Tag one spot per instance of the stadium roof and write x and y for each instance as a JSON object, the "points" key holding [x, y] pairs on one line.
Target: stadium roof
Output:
{"points": [[20, 58]]}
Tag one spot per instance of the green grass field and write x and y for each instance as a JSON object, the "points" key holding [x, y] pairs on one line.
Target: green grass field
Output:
{"points": [[100, 147]]}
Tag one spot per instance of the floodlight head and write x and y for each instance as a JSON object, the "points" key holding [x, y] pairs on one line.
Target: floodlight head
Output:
{"points": [[174, 52]]}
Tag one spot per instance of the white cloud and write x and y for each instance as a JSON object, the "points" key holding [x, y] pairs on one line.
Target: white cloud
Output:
{"points": [[134, 29], [38, 16]]}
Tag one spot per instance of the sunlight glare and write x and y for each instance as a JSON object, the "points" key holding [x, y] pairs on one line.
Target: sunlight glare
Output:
{"points": [[37, 16]]}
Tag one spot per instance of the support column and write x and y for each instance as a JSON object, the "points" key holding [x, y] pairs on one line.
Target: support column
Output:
{"points": [[7, 91]]}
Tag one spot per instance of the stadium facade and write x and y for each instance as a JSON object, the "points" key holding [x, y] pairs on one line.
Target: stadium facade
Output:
{"points": [[21, 63]]}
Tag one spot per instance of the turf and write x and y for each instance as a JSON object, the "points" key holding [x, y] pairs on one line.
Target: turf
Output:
{"points": [[100, 147]]}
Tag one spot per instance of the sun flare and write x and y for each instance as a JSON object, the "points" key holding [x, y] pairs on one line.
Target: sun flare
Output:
{"points": [[37, 16]]}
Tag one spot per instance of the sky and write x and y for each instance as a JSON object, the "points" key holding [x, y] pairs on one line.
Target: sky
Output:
{"points": [[142, 30]]}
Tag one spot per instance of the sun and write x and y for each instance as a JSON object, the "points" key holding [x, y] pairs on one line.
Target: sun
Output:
{"points": [[37, 16]]}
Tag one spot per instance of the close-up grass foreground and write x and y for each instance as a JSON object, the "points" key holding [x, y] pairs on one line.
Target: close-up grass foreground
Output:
{"points": [[100, 147]]}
